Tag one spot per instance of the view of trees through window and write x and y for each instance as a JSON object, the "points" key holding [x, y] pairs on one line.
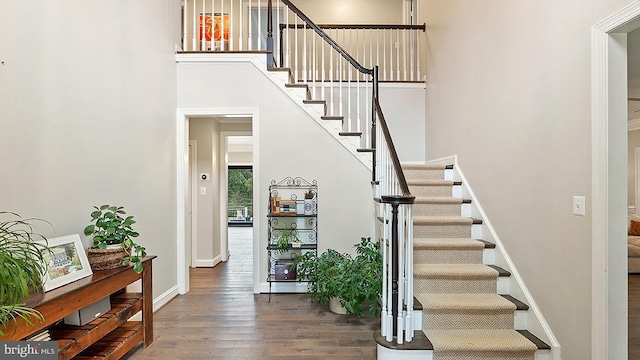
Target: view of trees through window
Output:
{"points": [[240, 197]]}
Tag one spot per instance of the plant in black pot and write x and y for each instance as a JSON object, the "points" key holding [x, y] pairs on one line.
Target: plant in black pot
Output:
{"points": [[113, 244], [355, 282], [22, 267]]}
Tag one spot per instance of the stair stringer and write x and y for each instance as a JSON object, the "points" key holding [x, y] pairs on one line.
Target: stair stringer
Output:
{"points": [[533, 319], [295, 94]]}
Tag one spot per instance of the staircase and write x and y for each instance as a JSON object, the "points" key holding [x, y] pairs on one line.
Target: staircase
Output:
{"points": [[435, 258], [466, 313]]}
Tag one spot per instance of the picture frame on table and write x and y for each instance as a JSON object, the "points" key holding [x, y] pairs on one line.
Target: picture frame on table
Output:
{"points": [[66, 262]]}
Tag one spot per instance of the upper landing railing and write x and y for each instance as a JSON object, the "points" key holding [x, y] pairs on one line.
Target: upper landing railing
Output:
{"points": [[241, 25]]}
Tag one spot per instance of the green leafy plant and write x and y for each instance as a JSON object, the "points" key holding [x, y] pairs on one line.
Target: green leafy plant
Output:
{"points": [[285, 238], [22, 266], [110, 227], [355, 281]]}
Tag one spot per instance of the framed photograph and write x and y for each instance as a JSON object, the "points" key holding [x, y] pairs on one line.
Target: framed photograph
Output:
{"points": [[66, 262]]}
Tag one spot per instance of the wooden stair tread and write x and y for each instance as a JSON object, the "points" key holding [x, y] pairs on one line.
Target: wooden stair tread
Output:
{"points": [[534, 339], [519, 304], [297, 85], [419, 342], [366, 150], [341, 118], [346, 133], [501, 271], [321, 102]]}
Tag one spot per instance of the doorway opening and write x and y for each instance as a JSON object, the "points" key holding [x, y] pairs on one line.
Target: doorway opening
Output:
{"points": [[240, 195]]}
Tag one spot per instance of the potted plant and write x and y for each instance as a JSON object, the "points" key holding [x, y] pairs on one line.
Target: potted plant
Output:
{"points": [[22, 267], [287, 238], [113, 244], [355, 282]]}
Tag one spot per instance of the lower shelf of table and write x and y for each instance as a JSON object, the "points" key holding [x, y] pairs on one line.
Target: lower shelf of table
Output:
{"points": [[114, 333], [116, 344]]}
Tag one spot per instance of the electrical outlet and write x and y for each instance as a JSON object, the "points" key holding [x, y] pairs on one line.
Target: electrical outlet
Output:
{"points": [[579, 205]]}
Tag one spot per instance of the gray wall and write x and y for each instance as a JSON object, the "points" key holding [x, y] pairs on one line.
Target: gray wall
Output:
{"points": [[87, 107], [510, 93], [343, 182]]}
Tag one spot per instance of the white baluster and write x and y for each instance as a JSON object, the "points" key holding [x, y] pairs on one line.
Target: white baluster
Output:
{"points": [[295, 53], [418, 65], [323, 74], [249, 34], [409, 320], [400, 317], [185, 11], [385, 266], [389, 278], [331, 82], [397, 44], [259, 27], [305, 60]]}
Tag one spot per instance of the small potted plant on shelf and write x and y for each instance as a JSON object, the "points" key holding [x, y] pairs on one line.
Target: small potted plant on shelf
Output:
{"points": [[340, 279], [286, 239], [113, 244], [22, 267]]}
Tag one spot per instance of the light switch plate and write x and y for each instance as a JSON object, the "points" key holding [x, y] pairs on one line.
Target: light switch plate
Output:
{"points": [[579, 205]]}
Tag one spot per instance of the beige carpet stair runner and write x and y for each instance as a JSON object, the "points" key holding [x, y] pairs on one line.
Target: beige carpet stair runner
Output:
{"points": [[463, 316]]}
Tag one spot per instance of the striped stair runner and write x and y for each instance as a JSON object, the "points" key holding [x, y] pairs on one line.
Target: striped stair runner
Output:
{"points": [[463, 316]]}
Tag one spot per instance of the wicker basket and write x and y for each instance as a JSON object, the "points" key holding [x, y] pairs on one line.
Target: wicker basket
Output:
{"points": [[103, 259]]}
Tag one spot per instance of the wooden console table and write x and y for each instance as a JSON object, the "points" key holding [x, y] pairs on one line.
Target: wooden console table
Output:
{"points": [[108, 337]]}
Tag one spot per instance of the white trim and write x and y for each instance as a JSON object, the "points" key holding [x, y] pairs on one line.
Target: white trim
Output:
{"points": [[164, 298], [158, 302], [282, 287], [636, 181], [182, 156], [194, 201], [182, 159], [224, 189], [445, 160], [209, 262], [601, 327]]}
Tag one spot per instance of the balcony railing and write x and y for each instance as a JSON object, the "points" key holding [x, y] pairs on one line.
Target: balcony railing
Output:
{"points": [[242, 25]]}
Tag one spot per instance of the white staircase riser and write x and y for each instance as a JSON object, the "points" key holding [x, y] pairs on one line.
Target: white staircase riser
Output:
{"points": [[389, 354]]}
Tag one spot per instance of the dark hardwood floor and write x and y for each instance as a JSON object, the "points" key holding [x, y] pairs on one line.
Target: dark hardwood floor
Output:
{"points": [[221, 318], [634, 316]]}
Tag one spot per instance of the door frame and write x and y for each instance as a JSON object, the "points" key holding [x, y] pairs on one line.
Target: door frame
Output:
{"points": [[609, 178], [182, 178], [224, 190], [193, 161]]}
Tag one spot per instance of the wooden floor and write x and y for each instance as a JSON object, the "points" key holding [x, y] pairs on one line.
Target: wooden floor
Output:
{"points": [[634, 316], [221, 318]]}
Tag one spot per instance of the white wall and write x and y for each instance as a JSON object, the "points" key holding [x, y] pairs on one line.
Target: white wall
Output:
{"points": [[87, 107], [509, 91], [206, 132], [343, 182]]}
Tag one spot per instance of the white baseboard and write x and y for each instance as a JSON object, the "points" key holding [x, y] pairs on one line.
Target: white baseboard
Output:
{"points": [[282, 287], [158, 302], [209, 262], [445, 160]]}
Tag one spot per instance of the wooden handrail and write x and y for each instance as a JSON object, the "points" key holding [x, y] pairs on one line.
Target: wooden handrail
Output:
{"points": [[392, 150], [327, 38]]}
